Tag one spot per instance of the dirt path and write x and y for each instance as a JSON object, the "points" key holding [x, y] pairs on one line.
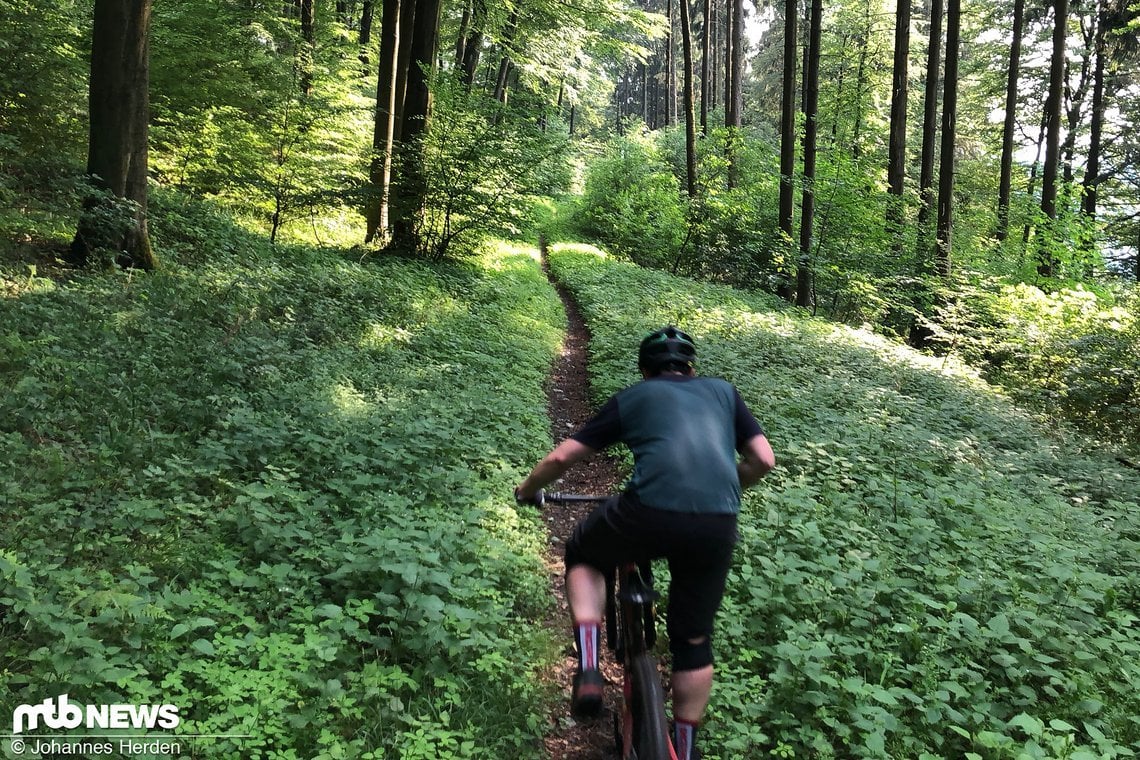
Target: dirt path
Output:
{"points": [[569, 406]]}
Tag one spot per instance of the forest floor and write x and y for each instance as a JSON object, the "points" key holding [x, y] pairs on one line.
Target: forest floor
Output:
{"points": [[568, 402]]}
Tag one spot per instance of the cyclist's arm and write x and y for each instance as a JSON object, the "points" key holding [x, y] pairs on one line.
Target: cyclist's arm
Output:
{"points": [[757, 459], [552, 466]]}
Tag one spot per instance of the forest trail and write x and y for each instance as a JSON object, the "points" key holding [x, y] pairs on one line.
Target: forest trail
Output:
{"points": [[568, 403]]}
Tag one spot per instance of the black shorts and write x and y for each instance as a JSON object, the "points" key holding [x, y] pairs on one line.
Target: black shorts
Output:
{"points": [[698, 548]]}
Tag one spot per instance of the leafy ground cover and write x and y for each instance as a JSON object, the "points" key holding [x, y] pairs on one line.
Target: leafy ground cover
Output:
{"points": [[268, 488], [927, 574]]}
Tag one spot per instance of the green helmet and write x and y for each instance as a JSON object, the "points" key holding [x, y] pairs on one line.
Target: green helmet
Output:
{"points": [[666, 349]]}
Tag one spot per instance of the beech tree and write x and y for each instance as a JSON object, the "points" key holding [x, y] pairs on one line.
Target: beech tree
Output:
{"points": [[896, 143], [690, 120], [1010, 123], [942, 251], [788, 133], [1047, 262], [114, 216], [930, 118], [413, 123], [810, 109]]}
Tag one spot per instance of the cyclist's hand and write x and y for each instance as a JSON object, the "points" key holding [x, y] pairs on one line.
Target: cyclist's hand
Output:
{"points": [[537, 500]]}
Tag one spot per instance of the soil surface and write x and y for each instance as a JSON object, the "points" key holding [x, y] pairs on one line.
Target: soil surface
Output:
{"points": [[569, 406]]}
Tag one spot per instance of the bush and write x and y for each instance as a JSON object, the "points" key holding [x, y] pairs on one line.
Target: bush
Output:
{"points": [[632, 203], [1071, 353]]}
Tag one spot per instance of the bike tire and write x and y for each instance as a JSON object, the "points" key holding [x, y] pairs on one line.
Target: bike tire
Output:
{"points": [[650, 726]]}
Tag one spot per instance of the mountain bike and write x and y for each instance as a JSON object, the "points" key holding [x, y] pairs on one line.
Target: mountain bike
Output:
{"points": [[641, 730]]}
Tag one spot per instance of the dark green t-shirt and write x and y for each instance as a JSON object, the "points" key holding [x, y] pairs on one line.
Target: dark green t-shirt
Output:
{"points": [[684, 433]]}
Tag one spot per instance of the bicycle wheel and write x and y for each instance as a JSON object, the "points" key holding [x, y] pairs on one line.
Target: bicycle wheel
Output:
{"points": [[650, 727]]}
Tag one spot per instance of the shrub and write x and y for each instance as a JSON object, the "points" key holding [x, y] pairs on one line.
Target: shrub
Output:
{"points": [[1070, 354], [632, 202]]}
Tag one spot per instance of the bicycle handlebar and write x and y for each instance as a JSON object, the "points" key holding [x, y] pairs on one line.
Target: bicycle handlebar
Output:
{"points": [[542, 497], [559, 496]]}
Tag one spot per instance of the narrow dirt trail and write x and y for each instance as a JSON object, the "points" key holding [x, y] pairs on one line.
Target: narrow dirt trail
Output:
{"points": [[569, 406]]}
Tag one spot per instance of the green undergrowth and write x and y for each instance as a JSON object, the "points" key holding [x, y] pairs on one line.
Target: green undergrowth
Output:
{"points": [[267, 487], [927, 573]]}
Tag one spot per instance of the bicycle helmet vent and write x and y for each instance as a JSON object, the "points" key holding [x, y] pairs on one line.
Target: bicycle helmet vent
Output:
{"points": [[666, 349]]}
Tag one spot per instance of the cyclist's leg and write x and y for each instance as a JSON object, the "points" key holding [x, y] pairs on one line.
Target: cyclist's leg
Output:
{"points": [[698, 563], [607, 536], [593, 550], [691, 691]]}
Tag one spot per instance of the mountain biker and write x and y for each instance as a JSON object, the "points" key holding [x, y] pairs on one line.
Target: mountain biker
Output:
{"points": [[681, 503]]}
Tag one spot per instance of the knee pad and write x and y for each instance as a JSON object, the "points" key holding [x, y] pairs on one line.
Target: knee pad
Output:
{"points": [[688, 656]]}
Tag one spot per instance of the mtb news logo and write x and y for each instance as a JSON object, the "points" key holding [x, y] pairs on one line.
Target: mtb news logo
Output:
{"points": [[62, 714]]}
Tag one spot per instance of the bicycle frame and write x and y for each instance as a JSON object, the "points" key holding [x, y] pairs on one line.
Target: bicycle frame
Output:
{"points": [[641, 731]]}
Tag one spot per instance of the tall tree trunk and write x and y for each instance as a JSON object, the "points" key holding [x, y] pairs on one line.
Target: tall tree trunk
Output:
{"points": [[404, 62], [461, 37], [734, 97], [1034, 171], [119, 104], [1075, 98], [811, 110], [727, 85], [365, 37], [896, 158], [308, 46], [384, 125], [706, 49], [1096, 126], [643, 78], [1047, 264], [1005, 183], [690, 118], [930, 119], [715, 53], [414, 123], [473, 45], [670, 69], [788, 136], [944, 248], [505, 63], [861, 82]]}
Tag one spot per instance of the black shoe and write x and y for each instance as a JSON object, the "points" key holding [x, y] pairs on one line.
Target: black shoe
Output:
{"points": [[586, 698]]}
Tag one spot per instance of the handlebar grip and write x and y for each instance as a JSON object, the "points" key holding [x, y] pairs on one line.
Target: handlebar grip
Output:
{"points": [[539, 498]]}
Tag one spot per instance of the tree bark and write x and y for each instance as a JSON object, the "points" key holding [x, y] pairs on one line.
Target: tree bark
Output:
{"points": [[788, 135], [810, 109], [734, 98], [308, 46], [365, 38], [1096, 126], [690, 119], [117, 145], [944, 248], [414, 123], [1047, 264], [930, 120], [670, 70], [896, 158], [706, 42], [473, 45], [861, 82], [1005, 182], [384, 126], [505, 63]]}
